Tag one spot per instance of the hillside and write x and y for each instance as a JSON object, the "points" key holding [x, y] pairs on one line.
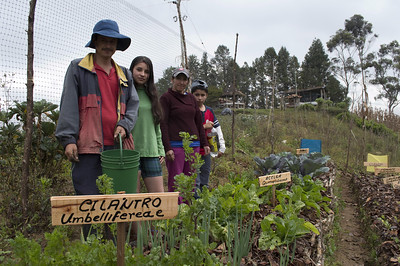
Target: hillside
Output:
{"points": [[356, 200], [258, 134]]}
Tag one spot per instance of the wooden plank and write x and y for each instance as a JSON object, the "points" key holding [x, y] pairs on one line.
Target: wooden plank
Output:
{"points": [[269, 180], [387, 170], [90, 209], [302, 151], [391, 179], [375, 164]]}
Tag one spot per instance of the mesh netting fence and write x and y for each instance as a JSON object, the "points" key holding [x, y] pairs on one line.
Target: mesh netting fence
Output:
{"points": [[61, 31]]}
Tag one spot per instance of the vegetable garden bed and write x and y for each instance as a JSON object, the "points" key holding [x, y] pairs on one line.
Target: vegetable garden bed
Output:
{"points": [[380, 210], [233, 224]]}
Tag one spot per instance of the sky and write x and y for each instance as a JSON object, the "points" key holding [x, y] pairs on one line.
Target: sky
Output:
{"points": [[62, 28], [261, 24]]}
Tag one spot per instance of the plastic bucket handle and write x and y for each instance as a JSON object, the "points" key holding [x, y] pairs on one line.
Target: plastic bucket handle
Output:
{"points": [[120, 146]]}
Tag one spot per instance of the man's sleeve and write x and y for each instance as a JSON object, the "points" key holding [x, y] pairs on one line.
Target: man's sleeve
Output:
{"points": [[132, 106], [67, 130]]}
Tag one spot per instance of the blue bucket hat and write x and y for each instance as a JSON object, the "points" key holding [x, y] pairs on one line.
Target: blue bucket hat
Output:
{"points": [[109, 28]]}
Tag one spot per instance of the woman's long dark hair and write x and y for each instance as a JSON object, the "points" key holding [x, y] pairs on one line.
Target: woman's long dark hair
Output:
{"points": [[150, 88]]}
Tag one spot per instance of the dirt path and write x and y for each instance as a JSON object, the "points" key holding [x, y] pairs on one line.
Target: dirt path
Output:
{"points": [[351, 245]]}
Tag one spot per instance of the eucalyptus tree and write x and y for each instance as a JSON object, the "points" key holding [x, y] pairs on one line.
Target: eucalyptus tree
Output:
{"points": [[343, 64], [386, 63], [362, 39]]}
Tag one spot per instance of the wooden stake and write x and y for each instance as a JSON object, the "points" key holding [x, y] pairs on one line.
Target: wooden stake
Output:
{"points": [[121, 244], [121, 241], [273, 196]]}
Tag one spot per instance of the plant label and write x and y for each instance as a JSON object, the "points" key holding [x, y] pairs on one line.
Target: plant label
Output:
{"points": [[91, 209], [269, 180], [376, 164], [391, 179], [387, 170], [302, 151]]}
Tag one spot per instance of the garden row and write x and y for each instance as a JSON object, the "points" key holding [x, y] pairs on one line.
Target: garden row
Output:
{"points": [[380, 211], [235, 223]]}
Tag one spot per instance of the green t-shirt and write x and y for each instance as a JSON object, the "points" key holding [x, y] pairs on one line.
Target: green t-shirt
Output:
{"points": [[146, 135]]}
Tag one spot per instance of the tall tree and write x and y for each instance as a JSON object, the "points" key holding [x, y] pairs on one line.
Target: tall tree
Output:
{"points": [[315, 67], [387, 73], [293, 71], [164, 83], [362, 38], [221, 63], [206, 71], [270, 64], [244, 82], [335, 91], [282, 70], [260, 83], [193, 66], [343, 64]]}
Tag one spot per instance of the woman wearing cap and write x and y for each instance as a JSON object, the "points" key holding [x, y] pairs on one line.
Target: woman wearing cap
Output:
{"points": [[147, 133], [181, 114]]}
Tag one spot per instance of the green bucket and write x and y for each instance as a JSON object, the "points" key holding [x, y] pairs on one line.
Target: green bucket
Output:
{"points": [[122, 166], [115, 155]]}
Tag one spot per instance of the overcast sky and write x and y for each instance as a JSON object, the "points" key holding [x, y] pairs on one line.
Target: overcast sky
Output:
{"points": [[260, 24], [272, 23]]}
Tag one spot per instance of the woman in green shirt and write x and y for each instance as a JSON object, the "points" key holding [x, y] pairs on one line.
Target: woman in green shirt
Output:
{"points": [[147, 133]]}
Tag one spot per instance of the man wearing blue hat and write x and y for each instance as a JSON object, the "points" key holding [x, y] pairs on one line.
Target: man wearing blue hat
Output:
{"points": [[98, 103]]}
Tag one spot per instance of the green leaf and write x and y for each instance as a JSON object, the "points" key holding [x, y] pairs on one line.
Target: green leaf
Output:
{"points": [[311, 227]]}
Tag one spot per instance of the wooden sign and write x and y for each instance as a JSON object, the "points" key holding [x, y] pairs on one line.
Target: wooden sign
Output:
{"points": [[90, 209], [302, 151], [391, 179], [269, 180], [375, 164], [387, 170]]}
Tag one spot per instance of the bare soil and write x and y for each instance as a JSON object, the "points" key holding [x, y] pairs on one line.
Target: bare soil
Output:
{"points": [[351, 244]]}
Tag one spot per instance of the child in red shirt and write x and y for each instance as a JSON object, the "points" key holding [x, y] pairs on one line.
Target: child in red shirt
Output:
{"points": [[212, 128]]}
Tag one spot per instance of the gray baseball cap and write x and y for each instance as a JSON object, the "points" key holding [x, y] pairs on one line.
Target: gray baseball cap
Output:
{"points": [[180, 70]]}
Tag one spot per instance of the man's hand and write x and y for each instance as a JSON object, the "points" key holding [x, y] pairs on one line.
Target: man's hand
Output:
{"points": [[119, 130], [220, 154], [207, 150], [71, 151], [170, 155]]}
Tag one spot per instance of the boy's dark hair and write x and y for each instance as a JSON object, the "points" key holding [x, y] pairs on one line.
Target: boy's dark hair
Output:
{"points": [[199, 85]]}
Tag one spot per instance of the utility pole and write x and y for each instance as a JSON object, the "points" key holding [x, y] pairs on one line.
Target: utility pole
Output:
{"points": [[183, 42]]}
